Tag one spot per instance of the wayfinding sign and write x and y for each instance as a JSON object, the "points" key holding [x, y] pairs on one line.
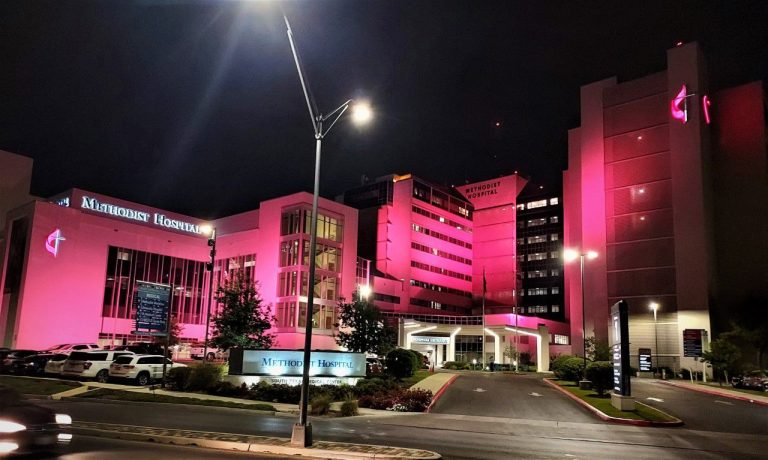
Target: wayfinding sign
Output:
{"points": [[646, 361], [692, 342], [619, 339], [430, 340], [152, 302]]}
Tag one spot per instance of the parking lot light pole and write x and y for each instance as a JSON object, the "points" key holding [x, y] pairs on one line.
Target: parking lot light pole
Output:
{"points": [[211, 231], [571, 255], [361, 113], [655, 307]]}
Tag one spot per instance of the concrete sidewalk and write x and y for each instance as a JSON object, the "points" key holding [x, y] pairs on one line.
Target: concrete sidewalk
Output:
{"points": [[260, 444], [719, 391], [435, 382]]}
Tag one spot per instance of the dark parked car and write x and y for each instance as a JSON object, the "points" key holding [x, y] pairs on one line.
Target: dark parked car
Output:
{"points": [[31, 365], [27, 427], [142, 348], [756, 380], [14, 356]]}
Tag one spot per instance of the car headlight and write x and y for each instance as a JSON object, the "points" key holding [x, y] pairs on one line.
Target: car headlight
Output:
{"points": [[7, 426], [63, 419]]}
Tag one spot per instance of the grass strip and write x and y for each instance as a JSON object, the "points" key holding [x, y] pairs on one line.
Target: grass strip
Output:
{"points": [[417, 376], [34, 386], [732, 388], [104, 393], [603, 404]]}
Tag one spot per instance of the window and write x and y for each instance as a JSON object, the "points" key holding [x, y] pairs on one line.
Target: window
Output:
{"points": [[536, 204], [561, 339], [326, 257], [291, 222], [285, 314], [441, 219], [520, 241], [438, 288], [537, 309], [537, 291], [537, 256], [520, 207], [554, 201], [555, 272], [554, 254], [289, 253], [555, 308], [287, 284], [521, 224], [440, 236], [439, 253], [555, 290], [521, 257], [554, 219], [537, 239], [537, 222], [554, 237], [441, 271], [537, 274]]}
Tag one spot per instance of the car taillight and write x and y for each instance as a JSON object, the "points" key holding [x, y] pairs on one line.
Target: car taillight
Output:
{"points": [[87, 365], [129, 366]]}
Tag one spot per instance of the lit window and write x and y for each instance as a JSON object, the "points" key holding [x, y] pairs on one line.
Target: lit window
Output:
{"points": [[537, 256], [555, 290], [536, 222], [520, 207], [537, 291], [554, 201], [521, 241], [537, 274], [561, 339], [536, 204], [555, 272], [554, 237], [555, 308], [537, 239], [554, 220], [554, 254]]}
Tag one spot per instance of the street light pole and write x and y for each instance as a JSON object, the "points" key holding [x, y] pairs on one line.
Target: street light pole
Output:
{"points": [[570, 255], [655, 306], [212, 245], [302, 431]]}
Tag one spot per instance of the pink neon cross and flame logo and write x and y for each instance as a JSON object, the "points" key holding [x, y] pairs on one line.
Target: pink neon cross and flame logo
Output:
{"points": [[678, 107], [706, 103], [52, 242]]}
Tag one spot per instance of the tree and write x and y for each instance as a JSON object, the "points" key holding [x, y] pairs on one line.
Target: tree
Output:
{"points": [[600, 373], [400, 363], [174, 333], [244, 320], [751, 325], [511, 352], [723, 356], [361, 328], [598, 350]]}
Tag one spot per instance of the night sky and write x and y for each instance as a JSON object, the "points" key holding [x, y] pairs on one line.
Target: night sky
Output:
{"points": [[195, 106]]}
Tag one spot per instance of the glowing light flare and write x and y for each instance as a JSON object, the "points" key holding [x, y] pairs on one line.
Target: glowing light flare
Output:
{"points": [[678, 107], [7, 426], [570, 255], [206, 229], [705, 104], [8, 447], [654, 306], [63, 419], [591, 255], [365, 291], [361, 113]]}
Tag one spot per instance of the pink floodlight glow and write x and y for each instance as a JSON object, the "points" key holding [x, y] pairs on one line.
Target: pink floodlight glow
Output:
{"points": [[52, 242], [678, 108], [706, 103]]}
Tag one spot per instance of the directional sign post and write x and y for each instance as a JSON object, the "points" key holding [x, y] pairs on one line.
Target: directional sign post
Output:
{"points": [[646, 361], [692, 343], [152, 303]]}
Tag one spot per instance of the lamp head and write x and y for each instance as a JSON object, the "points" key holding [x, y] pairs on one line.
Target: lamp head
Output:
{"points": [[570, 255], [361, 113], [654, 306], [592, 255], [206, 229], [365, 291]]}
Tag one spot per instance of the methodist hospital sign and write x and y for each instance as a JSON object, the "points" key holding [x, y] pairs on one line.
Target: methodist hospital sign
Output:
{"points": [[286, 366]]}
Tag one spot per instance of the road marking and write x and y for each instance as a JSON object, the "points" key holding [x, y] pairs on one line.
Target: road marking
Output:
{"points": [[724, 402], [479, 390], [654, 399], [534, 394]]}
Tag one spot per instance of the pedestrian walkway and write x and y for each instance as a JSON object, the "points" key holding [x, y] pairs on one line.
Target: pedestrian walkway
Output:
{"points": [[260, 444], [434, 382], [720, 391]]}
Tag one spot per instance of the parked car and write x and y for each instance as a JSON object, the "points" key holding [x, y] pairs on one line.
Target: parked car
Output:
{"points": [[55, 364], [757, 380], [196, 351], [142, 348], [28, 427], [142, 369], [91, 364], [70, 347], [31, 365], [13, 356]]}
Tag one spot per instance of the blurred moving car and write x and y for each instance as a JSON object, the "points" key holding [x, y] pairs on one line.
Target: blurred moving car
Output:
{"points": [[142, 369], [26, 427], [31, 365], [757, 380], [14, 356], [68, 348], [55, 364], [91, 364], [373, 366]]}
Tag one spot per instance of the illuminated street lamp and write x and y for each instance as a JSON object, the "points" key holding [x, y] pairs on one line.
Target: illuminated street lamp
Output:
{"points": [[570, 255], [655, 307], [211, 232], [365, 291], [361, 113]]}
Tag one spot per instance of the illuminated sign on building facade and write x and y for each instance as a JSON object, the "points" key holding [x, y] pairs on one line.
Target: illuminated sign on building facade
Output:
{"points": [[52, 242], [155, 218], [289, 363]]}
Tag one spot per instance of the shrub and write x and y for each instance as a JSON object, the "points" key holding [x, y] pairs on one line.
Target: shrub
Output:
{"points": [[279, 392], [203, 377], [178, 378], [415, 400], [370, 387], [600, 373], [349, 408], [381, 401], [572, 369], [449, 365], [525, 359], [400, 363], [320, 405], [418, 360], [229, 390], [556, 364]]}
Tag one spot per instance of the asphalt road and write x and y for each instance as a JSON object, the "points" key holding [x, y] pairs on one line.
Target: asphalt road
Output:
{"points": [[94, 448], [701, 411], [509, 396], [455, 436]]}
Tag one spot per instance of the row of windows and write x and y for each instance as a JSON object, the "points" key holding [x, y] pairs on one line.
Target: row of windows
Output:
{"points": [[539, 256], [537, 222], [542, 273], [326, 286], [427, 303], [440, 219], [441, 271], [543, 309], [327, 257], [438, 288], [439, 253], [298, 221], [440, 236], [543, 291], [538, 204], [287, 315], [442, 200], [538, 239], [386, 298]]}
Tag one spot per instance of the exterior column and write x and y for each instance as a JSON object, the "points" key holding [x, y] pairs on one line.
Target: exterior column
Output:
{"points": [[542, 349]]}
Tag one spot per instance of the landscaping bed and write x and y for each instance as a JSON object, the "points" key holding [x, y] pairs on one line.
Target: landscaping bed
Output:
{"points": [[35, 386], [119, 395], [603, 404], [732, 388]]}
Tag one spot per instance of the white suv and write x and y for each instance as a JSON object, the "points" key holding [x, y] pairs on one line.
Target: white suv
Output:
{"points": [[91, 364], [142, 369], [56, 363], [68, 348]]}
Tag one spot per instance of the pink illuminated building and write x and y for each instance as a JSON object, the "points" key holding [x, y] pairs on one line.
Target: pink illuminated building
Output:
{"points": [[73, 262], [667, 182]]}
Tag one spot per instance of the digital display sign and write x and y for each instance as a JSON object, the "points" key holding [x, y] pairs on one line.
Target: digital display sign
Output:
{"points": [[619, 338], [645, 360], [151, 302]]}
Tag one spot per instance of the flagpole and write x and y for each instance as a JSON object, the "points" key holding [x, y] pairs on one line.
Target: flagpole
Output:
{"points": [[484, 288], [517, 342]]}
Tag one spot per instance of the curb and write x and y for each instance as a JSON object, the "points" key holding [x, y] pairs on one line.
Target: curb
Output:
{"points": [[152, 403], [624, 421], [440, 392], [716, 393], [254, 447]]}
